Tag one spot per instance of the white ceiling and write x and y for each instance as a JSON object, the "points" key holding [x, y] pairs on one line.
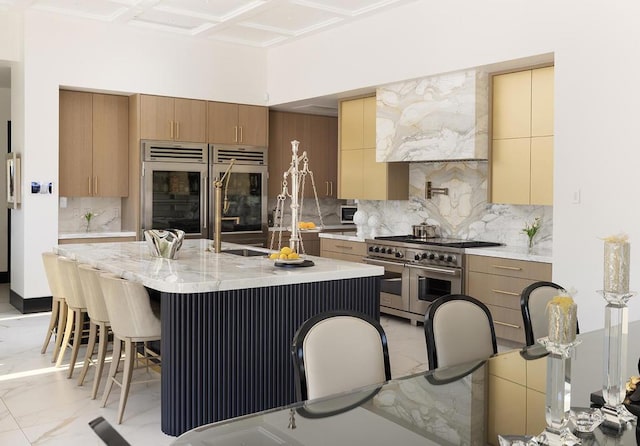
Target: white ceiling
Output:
{"points": [[257, 23]]}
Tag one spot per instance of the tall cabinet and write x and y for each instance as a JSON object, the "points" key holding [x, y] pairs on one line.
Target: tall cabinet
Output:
{"points": [[93, 141], [522, 137], [318, 136], [361, 177]]}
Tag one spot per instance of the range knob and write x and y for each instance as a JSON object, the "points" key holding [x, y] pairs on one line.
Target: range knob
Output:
{"points": [[399, 254], [371, 249], [417, 257], [450, 259], [424, 256], [383, 250], [432, 256], [376, 249], [441, 257]]}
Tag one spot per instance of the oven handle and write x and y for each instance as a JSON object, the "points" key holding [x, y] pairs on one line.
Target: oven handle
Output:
{"points": [[382, 262], [450, 272]]}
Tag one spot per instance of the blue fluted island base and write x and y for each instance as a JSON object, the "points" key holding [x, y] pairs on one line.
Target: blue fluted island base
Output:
{"points": [[228, 322]]}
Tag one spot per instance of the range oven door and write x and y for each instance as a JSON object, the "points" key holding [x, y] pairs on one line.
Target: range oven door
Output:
{"points": [[427, 283], [394, 286]]}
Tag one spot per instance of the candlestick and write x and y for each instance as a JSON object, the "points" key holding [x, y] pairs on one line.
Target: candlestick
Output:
{"points": [[616, 264]]}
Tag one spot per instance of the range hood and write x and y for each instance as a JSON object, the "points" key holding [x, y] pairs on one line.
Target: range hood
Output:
{"points": [[438, 118]]}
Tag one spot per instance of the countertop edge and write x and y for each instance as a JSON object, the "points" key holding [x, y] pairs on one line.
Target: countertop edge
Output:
{"points": [[80, 235], [513, 253]]}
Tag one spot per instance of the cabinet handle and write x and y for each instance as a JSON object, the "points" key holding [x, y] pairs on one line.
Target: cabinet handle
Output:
{"points": [[326, 183], [241, 135], [177, 129], [205, 203], [331, 184], [236, 138], [509, 293], [89, 184], [344, 247], [95, 189], [171, 129], [506, 324], [510, 268]]}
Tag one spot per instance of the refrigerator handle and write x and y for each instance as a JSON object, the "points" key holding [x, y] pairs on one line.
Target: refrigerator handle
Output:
{"points": [[205, 213]]}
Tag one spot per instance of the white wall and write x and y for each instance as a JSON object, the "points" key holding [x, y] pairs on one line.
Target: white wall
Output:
{"points": [[5, 115], [597, 91], [10, 32], [109, 57]]}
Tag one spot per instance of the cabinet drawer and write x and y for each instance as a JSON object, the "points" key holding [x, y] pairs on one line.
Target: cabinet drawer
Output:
{"points": [[344, 247], [508, 323], [496, 290], [340, 256], [509, 267]]}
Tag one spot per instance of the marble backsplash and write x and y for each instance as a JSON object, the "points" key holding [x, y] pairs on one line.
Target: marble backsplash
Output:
{"points": [[329, 208], [463, 213], [107, 215]]}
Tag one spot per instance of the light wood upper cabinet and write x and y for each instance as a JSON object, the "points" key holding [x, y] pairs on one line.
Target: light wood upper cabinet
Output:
{"points": [[110, 139], [75, 143], [512, 105], [237, 124], [361, 177], [93, 142], [522, 145], [542, 102], [172, 119]]}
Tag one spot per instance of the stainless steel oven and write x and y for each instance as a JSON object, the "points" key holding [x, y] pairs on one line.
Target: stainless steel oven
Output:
{"points": [[417, 272]]}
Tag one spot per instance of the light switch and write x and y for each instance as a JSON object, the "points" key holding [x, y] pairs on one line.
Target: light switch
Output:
{"points": [[575, 199]]}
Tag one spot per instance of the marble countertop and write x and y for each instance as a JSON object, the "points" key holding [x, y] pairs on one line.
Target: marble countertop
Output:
{"points": [[324, 228], [69, 235], [513, 252], [199, 270]]}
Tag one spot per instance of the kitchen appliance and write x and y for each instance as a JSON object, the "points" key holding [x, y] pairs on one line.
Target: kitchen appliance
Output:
{"points": [[424, 231], [174, 187], [417, 271], [244, 193], [346, 214]]}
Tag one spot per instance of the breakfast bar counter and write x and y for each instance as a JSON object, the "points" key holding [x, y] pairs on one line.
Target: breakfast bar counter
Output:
{"points": [[228, 320]]}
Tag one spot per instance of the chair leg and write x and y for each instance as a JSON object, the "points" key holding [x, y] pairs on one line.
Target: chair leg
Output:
{"points": [[103, 340], [67, 336], [126, 376], [55, 305], [77, 340], [93, 333], [62, 321], [113, 370]]}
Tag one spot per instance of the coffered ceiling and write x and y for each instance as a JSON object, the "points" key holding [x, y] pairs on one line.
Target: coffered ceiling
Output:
{"points": [[257, 23]]}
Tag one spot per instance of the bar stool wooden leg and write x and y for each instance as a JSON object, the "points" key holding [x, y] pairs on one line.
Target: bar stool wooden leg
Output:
{"points": [[129, 361], [67, 335], [91, 345], [113, 370], [55, 310], [77, 340], [62, 321], [103, 340]]}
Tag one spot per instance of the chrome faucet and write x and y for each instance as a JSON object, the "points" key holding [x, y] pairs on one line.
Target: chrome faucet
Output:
{"points": [[220, 206]]}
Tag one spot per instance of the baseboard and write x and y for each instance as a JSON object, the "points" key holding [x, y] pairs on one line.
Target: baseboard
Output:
{"points": [[33, 305]]}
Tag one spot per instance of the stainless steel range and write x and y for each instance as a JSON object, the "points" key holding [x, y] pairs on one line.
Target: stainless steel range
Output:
{"points": [[418, 271]]}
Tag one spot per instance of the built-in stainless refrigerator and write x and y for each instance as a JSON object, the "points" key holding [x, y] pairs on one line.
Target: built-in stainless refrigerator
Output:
{"points": [[175, 186]]}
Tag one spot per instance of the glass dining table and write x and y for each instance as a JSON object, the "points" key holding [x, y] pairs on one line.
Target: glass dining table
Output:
{"points": [[469, 404]]}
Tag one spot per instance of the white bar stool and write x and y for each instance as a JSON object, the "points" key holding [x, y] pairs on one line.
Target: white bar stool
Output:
{"points": [[58, 304], [99, 325], [132, 321]]}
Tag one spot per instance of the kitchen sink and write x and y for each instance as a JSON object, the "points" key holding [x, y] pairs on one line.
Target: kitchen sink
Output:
{"points": [[244, 252]]}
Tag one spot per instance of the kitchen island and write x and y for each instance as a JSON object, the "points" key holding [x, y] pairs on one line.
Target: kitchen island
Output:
{"points": [[228, 321]]}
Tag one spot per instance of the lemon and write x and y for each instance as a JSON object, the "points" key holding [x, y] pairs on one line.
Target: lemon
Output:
{"points": [[275, 255], [282, 256], [293, 256], [286, 250], [311, 225]]}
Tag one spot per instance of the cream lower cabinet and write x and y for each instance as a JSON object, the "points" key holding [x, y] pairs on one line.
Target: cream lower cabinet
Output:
{"points": [[516, 396], [343, 249], [498, 283]]}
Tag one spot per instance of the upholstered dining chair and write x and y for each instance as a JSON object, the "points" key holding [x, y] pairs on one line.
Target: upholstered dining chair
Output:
{"points": [[458, 329], [99, 325], [132, 321], [58, 304], [76, 312], [533, 304], [338, 351]]}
